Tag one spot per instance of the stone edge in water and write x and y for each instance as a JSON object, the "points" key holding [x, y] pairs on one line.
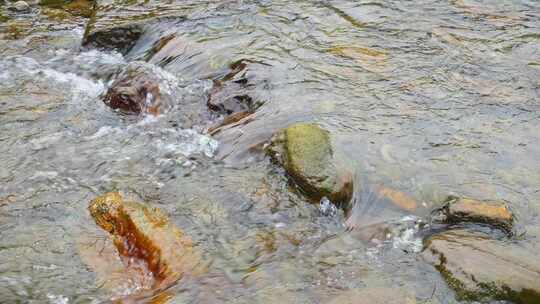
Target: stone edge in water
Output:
{"points": [[483, 290], [304, 150]]}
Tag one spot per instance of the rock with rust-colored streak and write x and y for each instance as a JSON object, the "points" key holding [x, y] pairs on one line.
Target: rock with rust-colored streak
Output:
{"points": [[146, 234], [494, 213]]}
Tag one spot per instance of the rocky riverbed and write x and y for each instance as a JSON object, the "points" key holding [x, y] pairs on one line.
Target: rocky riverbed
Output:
{"points": [[269, 151]]}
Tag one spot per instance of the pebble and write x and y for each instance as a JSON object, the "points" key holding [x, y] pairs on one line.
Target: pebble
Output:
{"points": [[20, 6]]}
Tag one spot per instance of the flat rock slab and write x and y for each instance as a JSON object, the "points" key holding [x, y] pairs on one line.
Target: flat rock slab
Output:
{"points": [[478, 267], [146, 234], [493, 213], [378, 295], [117, 24], [305, 151]]}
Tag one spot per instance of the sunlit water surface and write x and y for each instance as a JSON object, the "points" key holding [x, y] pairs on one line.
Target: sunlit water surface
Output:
{"points": [[428, 97]]}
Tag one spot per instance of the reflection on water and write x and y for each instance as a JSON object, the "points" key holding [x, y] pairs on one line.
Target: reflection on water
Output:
{"points": [[425, 99]]}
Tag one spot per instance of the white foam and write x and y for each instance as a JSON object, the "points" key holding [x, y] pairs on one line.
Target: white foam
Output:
{"points": [[25, 67], [57, 299], [405, 234], [186, 143]]}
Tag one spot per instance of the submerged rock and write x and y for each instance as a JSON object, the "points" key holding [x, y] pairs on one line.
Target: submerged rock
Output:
{"points": [[119, 24], [375, 295], [493, 213], [305, 151], [83, 8], [478, 267], [139, 88], [396, 197], [121, 38], [21, 6], [146, 234]]}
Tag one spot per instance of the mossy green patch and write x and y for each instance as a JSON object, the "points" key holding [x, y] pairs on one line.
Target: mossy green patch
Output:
{"points": [[305, 151]]}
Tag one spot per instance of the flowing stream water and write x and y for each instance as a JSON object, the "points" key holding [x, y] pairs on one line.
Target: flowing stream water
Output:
{"points": [[430, 97]]}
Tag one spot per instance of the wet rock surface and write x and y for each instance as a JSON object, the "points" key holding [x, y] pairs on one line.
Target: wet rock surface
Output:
{"points": [[20, 6], [306, 153], [479, 267], [235, 92], [493, 213], [375, 295], [442, 104], [145, 234], [139, 88], [118, 25]]}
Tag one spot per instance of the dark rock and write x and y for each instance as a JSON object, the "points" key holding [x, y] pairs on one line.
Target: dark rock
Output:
{"points": [[478, 267], [234, 92], [494, 213], [397, 198], [121, 38], [138, 89], [305, 151]]}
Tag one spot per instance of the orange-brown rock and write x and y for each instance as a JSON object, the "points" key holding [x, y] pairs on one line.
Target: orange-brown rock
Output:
{"points": [[398, 198], [145, 235], [493, 213]]}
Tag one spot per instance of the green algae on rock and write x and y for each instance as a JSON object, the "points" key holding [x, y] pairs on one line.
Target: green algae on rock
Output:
{"points": [[478, 267], [305, 151]]}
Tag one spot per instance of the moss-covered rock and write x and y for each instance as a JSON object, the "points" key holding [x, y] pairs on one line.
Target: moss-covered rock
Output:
{"points": [[481, 268], [235, 92], [305, 151]]}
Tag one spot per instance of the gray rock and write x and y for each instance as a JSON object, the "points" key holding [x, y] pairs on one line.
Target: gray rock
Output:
{"points": [[20, 6], [305, 151]]}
